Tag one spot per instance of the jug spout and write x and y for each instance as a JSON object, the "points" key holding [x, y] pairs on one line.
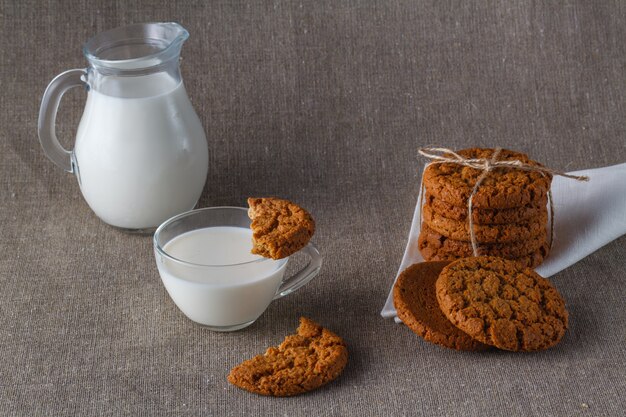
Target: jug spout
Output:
{"points": [[136, 48], [173, 34]]}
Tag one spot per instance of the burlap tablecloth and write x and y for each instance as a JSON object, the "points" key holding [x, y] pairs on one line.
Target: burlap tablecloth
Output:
{"points": [[325, 103]]}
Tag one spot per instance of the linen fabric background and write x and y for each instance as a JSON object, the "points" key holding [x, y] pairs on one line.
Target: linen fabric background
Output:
{"points": [[325, 103]]}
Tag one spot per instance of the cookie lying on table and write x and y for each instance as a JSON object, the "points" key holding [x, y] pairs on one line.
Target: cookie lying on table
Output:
{"points": [[416, 302], [485, 300], [501, 304], [307, 360]]}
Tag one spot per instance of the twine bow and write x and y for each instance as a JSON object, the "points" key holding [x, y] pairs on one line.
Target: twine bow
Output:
{"points": [[486, 165]]}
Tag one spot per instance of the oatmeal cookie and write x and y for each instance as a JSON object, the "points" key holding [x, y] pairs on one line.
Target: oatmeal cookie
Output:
{"points": [[487, 216], [485, 233], [280, 227], [432, 244], [532, 260], [499, 303], [312, 357], [416, 303], [503, 188]]}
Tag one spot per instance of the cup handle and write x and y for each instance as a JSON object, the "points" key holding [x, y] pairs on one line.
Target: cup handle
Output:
{"points": [[303, 276], [48, 113]]}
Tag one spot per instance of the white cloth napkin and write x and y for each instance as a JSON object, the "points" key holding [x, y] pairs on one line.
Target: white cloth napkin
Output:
{"points": [[587, 216]]}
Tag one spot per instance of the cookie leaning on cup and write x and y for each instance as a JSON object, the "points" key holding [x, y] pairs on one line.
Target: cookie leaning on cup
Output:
{"points": [[280, 228]]}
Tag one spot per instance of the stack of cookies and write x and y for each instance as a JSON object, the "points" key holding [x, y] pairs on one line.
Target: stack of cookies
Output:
{"points": [[474, 303], [509, 210]]}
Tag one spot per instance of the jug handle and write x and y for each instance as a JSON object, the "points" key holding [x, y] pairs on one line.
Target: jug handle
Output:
{"points": [[48, 113]]}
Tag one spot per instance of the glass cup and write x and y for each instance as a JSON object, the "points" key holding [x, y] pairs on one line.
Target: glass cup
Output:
{"points": [[225, 296]]}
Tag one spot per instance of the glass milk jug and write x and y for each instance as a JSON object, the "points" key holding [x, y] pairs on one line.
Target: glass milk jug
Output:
{"points": [[141, 153]]}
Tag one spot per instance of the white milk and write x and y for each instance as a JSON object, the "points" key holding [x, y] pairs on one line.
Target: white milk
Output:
{"points": [[141, 151], [230, 294]]}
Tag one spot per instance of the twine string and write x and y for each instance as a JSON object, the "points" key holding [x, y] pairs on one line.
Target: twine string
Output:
{"points": [[440, 155], [486, 165], [486, 168]]}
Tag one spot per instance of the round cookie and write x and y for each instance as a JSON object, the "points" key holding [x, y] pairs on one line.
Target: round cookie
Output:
{"points": [[415, 301], [431, 243], [532, 260], [501, 304], [503, 188], [312, 357], [487, 216], [485, 233]]}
